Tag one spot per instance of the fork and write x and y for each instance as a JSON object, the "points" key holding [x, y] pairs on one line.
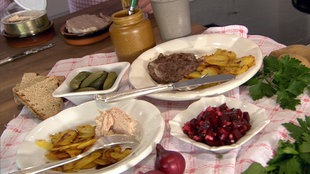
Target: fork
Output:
{"points": [[102, 142]]}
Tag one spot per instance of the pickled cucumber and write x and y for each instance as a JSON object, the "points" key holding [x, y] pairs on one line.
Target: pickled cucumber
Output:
{"points": [[77, 80], [98, 84], [91, 78], [108, 83], [85, 89]]}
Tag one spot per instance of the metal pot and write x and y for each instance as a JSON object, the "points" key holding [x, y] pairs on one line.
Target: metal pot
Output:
{"points": [[25, 23]]}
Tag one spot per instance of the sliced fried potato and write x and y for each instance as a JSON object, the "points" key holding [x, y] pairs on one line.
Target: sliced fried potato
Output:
{"points": [[102, 162], [193, 75], [86, 160], [44, 144], [58, 149], [86, 131], [86, 143], [121, 154], [211, 71], [234, 70], [231, 55], [217, 59]]}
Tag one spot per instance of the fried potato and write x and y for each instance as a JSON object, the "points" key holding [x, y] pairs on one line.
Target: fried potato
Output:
{"points": [[70, 143], [217, 59], [86, 160], [86, 143], [64, 138], [230, 54], [86, 131], [44, 144], [222, 62], [210, 71], [120, 154]]}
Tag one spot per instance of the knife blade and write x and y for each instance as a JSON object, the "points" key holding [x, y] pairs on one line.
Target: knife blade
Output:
{"points": [[26, 53], [181, 86]]}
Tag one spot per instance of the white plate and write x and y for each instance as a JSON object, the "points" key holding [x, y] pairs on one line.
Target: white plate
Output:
{"points": [[146, 114], [80, 97], [203, 44], [258, 120]]}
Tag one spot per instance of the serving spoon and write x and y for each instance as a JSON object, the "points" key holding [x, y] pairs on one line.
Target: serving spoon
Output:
{"points": [[102, 142], [132, 6]]}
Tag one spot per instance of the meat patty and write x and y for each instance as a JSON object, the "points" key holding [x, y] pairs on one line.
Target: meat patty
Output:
{"points": [[172, 68]]}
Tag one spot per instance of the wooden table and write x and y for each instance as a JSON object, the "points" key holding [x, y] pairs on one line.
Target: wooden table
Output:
{"points": [[42, 62]]}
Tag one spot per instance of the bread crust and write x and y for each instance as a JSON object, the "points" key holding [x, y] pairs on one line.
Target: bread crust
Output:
{"points": [[35, 92]]}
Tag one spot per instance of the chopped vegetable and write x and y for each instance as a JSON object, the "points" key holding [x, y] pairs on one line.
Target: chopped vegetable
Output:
{"points": [[218, 126]]}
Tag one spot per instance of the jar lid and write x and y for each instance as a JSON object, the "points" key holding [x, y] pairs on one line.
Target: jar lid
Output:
{"points": [[32, 4]]}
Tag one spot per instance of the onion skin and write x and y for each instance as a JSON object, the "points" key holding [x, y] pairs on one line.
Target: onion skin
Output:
{"points": [[169, 162]]}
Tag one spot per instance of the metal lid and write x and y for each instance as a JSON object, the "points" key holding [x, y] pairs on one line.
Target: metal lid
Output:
{"points": [[32, 4]]}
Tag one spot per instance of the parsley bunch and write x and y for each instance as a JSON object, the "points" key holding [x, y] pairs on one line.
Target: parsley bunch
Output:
{"points": [[286, 78], [290, 158]]}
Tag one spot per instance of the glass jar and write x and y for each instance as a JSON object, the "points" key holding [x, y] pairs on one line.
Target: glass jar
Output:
{"points": [[131, 34]]}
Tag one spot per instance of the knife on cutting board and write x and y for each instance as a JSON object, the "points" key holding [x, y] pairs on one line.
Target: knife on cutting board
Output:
{"points": [[180, 86], [26, 53]]}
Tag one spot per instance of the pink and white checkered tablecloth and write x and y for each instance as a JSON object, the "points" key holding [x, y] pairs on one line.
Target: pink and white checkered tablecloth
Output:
{"points": [[260, 149]]}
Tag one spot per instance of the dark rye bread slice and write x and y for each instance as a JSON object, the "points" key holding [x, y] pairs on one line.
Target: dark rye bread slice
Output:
{"points": [[38, 97], [28, 79]]}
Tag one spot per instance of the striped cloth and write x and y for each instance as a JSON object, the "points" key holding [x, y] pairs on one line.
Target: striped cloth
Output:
{"points": [[260, 148]]}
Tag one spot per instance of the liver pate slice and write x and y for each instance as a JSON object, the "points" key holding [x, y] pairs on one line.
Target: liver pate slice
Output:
{"points": [[172, 68]]}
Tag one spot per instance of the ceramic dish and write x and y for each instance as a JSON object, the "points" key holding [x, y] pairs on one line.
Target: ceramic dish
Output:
{"points": [[80, 97], [85, 38], [148, 116], [204, 44], [66, 34], [258, 120]]}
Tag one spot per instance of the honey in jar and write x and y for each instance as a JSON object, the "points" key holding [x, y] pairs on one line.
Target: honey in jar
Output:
{"points": [[131, 34]]}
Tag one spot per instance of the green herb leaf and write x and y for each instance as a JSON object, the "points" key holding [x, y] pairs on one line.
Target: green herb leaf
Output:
{"points": [[260, 90], [304, 147], [296, 131], [306, 158], [286, 100], [290, 158], [255, 168], [290, 166], [271, 64], [286, 78]]}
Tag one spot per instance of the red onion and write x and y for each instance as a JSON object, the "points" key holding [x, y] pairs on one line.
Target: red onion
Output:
{"points": [[154, 172], [169, 162]]}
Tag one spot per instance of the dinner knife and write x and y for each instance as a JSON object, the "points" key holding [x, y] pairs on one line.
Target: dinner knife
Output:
{"points": [[181, 86], [26, 53]]}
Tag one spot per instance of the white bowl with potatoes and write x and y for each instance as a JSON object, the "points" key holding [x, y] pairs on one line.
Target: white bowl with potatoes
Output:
{"points": [[82, 84]]}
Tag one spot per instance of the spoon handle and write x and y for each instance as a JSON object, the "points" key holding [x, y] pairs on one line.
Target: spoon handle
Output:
{"points": [[48, 166], [132, 7], [133, 93]]}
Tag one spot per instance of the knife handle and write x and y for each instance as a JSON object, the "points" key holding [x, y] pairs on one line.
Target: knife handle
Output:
{"points": [[132, 93]]}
